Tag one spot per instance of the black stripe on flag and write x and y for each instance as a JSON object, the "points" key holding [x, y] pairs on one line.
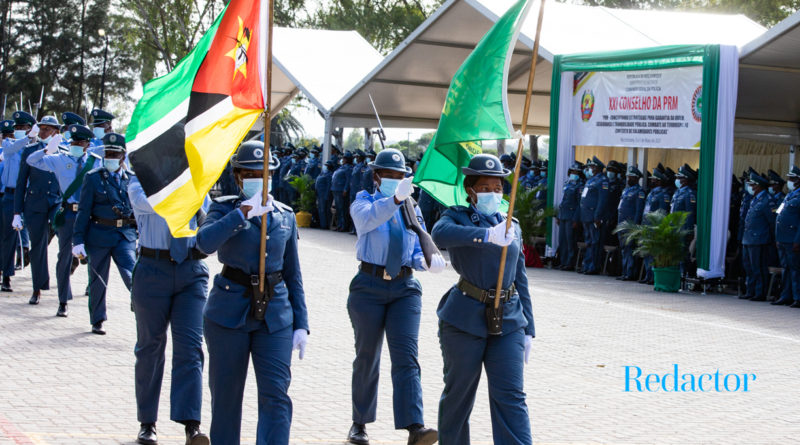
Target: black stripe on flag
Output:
{"points": [[161, 161], [199, 103]]}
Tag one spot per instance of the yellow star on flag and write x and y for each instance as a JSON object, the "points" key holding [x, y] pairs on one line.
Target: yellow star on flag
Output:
{"points": [[239, 52]]}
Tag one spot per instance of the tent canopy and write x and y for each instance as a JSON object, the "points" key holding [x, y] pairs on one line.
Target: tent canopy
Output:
{"points": [[302, 60], [410, 85], [769, 106]]}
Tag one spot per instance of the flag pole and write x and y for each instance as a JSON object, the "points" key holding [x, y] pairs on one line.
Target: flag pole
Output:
{"points": [[520, 147], [262, 260]]}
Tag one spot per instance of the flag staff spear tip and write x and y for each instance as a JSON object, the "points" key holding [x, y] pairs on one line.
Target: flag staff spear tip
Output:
{"points": [[520, 147], [262, 260]]}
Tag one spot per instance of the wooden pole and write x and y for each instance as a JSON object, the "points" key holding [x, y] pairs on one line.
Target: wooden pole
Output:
{"points": [[262, 260], [515, 181]]}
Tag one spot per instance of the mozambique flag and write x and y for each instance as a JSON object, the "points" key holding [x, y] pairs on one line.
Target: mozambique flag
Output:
{"points": [[189, 122], [476, 109]]}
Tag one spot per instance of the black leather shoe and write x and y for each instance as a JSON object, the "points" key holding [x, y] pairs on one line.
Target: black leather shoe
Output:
{"points": [[622, 278], [63, 310], [195, 437], [745, 297], [568, 269], [781, 302], [796, 304], [35, 297], [6, 286], [592, 272], [147, 434], [97, 328], [758, 299], [423, 436], [358, 434]]}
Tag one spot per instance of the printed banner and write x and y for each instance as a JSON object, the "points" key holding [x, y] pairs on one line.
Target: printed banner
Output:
{"points": [[651, 108]]}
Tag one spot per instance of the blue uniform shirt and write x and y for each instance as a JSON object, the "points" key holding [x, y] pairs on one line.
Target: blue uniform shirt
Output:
{"points": [[371, 215], [37, 190], [685, 200], [568, 210], [12, 153], [759, 223], [367, 182], [787, 225], [64, 166], [594, 198], [323, 183], [313, 168], [340, 179], [631, 204]]}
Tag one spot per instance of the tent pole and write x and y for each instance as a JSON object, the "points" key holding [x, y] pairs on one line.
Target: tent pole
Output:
{"points": [[262, 259], [512, 200]]}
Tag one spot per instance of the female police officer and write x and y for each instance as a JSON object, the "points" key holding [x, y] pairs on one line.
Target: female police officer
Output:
{"points": [[240, 321], [474, 237]]}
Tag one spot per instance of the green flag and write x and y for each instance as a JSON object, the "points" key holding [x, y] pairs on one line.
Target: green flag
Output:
{"points": [[476, 109]]}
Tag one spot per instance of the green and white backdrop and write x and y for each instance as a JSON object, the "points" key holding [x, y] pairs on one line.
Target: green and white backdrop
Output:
{"points": [[674, 97]]}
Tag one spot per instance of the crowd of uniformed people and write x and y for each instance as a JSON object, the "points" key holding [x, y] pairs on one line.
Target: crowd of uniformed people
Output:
{"points": [[70, 179]]}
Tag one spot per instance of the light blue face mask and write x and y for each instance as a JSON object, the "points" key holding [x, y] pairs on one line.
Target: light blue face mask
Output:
{"points": [[574, 177], [611, 175], [772, 191], [543, 174], [47, 139], [324, 169], [531, 174], [790, 185], [253, 186], [312, 156], [76, 151], [488, 203], [67, 135], [19, 134], [111, 165], [678, 183], [589, 172], [749, 189], [99, 132], [388, 186]]}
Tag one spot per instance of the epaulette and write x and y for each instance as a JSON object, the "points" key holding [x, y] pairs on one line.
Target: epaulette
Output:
{"points": [[95, 155], [514, 219], [459, 208], [282, 206], [225, 199]]}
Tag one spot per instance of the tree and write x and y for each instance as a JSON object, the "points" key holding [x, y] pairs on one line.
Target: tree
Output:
{"points": [[766, 12], [355, 140]]}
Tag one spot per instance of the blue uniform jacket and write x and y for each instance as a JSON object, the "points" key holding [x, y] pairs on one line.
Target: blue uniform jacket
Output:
{"points": [[787, 225], [659, 199], [37, 190], [569, 209], [297, 169], [462, 231], [367, 182], [314, 168], [340, 179], [323, 184], [594, 198], [99, 195], [237, 243], [631, 204], [759, 223], [743, 209], [685, 200], [615, 187]]}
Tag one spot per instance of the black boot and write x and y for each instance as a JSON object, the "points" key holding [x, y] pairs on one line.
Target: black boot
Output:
{"points": [[419, 435], [147, 434], [35, 297], [6, 286], [193, 434], [63, 310], [358, 434], [97, 328]]}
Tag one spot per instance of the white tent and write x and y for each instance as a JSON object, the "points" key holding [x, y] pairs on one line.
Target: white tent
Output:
{"points": [[410, 85]]}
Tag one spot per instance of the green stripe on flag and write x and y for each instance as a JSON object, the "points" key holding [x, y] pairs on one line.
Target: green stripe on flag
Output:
{"points": [[708, 152]]}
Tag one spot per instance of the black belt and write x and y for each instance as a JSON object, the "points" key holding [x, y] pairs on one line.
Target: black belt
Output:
{"points": [[121, 222], [160, 254], [72, 207], [380, 271], [484, 296], [243, 278], [258, 300]]}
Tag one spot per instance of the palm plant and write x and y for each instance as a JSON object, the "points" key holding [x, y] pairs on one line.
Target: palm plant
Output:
{"points": [[307, 198], [661, 236], [531, 213]]}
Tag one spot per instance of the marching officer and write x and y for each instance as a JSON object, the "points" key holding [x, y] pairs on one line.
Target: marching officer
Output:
{"points": [[339, 190], [241, 321], [69, 169], [169, 290], [787, 236], [593, 210], [631, 207], [685, 200], [568, 219], [474, 236], [25, 132], [314, 167], [101, 125], [659, 199], [105, 227], [386, 298], [758, 234], [323, 189], [37, 197]]}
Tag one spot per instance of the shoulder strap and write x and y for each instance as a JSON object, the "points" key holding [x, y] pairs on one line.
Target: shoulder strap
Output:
{"points": [[73, 187]]}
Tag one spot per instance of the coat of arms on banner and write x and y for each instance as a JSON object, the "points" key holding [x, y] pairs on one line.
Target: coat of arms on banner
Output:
{"points": [[587, 105]]}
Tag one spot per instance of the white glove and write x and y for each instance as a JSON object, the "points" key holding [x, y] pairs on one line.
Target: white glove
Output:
{"points": [[528, 346], [34, 132], [299, 342], [498, 235], [404, 189], [16, 223], [78, 251], [438, 264], [258, 209], [52, 146]]}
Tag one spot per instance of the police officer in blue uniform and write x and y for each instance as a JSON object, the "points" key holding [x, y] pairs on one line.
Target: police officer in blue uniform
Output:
{"points": [[314, 163], [386, 298], [339, 190], [366, 177], [357, 174], [568, 218], [69, 169], [775, 190], [37, 197], [69, 118], [284, 189], [659, 199], [105, 227], [758, 234], [474, 236], [787, 237], [508, 163], [631, 208], [685, 200], [296, 169], [593, 210], [101, 125], [323, 189], [616, 183], [25, 132], [169, 290], [241, 322]]}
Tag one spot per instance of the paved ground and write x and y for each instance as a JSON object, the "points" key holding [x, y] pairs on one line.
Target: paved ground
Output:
{"points": [[63, 385]]}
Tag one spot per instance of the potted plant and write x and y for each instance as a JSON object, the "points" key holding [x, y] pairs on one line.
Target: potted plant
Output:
{"points": [[306, 198], [532, 216], [661, 236]]}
